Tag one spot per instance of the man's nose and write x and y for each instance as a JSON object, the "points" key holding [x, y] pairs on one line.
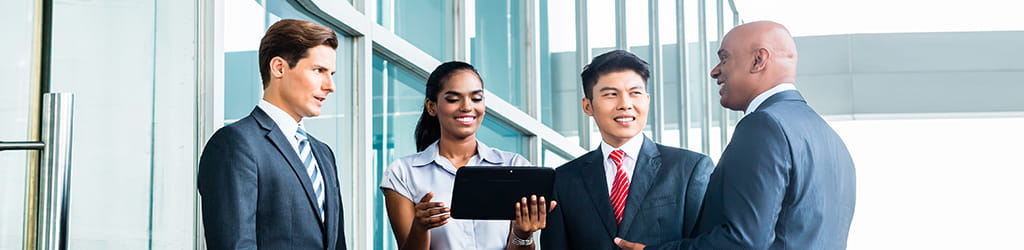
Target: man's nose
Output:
{"points": [[715, 72], [625, 103], [328, 85]]}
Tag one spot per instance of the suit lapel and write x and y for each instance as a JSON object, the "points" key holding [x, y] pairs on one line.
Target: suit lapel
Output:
{"points": [[596, 186], [648, 164], [285, 148], [331, 197]]}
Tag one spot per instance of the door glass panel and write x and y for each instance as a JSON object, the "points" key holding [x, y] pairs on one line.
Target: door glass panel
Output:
{"points": [[16, 115]]}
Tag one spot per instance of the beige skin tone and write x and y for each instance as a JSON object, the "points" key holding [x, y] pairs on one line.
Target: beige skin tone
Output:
{"points": [[460, 110], [301, 90], [619, 106], [754, 57]]}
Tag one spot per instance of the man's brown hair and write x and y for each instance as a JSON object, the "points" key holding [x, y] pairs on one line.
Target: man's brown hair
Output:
{"points": [[291, 39]]}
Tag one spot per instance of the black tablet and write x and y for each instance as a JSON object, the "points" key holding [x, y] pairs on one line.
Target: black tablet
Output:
{"points": [[491, 193]]}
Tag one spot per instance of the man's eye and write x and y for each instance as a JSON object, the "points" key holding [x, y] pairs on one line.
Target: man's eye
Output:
{"points": [[477, 99], [609, 94], [452, 100]]}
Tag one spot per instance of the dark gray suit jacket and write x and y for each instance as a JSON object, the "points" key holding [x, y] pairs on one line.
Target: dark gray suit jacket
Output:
{"points": [[664, 199], [256, 194], [786, 181]]}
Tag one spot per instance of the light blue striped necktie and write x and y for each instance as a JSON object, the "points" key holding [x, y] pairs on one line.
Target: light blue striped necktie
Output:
{"points": [[306, 154]]}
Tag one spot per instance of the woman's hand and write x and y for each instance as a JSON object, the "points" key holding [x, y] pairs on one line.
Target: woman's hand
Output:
{"points": [[531, 216], [430, 214]]}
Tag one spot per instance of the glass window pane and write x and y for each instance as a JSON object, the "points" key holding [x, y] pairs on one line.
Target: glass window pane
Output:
{"points": [[496, 41], [17, 94], [427, 24], [667, 32], [716, 109], [500, 135], [695, 75], [600, 39], [397, 105], [551, 159], [100, 49], [558, 69]]}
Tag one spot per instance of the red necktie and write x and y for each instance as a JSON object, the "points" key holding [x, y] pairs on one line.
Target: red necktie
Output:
{"points": [[620, 187]]}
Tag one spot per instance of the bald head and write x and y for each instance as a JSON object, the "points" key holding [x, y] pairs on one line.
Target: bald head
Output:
{"points": [[754, 57]]}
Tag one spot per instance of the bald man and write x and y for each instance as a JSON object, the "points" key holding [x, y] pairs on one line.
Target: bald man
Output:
{"points": [[786, 180]]}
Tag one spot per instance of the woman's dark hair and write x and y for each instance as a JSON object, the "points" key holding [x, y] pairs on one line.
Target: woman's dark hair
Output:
{"points": [[428, 128]]}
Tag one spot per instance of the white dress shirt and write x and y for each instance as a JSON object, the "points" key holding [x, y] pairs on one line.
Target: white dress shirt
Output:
{"points": [[768, 93], [415, 175], [632, 150], [284, 121]]}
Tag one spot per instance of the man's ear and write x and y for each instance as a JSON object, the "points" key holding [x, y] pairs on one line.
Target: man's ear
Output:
{"points": [[761, 58], [431, 107], [587, 109], [277, 66]]}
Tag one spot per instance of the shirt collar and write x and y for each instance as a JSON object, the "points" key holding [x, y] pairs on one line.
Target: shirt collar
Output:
{"points": [[284, 121], [631, 147], [768, 93], [429, 154]]}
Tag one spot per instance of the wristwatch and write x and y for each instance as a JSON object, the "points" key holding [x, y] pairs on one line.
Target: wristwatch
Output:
{"points": [[522, 242]]}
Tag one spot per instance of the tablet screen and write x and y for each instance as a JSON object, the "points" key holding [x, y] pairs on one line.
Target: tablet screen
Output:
{"points": [[491, 193]]}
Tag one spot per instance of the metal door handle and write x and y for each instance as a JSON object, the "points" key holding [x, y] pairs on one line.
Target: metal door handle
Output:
{"points": [[21, 145], [54, 170]]}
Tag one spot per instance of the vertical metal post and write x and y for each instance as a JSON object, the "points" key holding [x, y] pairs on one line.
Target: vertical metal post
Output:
{"points": [[657, 80], [723, 120], [620, 25], [531, 66], [684, 81], [705, 123], [55, 172], [582, 58]]}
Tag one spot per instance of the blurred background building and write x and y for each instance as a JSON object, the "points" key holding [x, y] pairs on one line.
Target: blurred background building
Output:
{"points": [[928, 96]]}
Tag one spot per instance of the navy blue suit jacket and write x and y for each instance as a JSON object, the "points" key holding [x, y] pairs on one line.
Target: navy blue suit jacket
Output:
{"points": [[786, 181], [665, 195], [256, 194]]}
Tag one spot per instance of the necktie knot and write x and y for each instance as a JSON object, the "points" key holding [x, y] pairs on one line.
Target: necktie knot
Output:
{"points": [[300, 134], [617, 157]]}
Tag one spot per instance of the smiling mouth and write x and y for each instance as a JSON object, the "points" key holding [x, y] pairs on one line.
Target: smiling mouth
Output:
{"points": [[625, 119], [465, 119]]}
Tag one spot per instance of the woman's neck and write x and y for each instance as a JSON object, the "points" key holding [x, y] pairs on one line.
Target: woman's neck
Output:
{"points": [[457, 151]]}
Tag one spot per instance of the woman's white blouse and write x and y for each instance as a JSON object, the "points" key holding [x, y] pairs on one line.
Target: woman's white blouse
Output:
{"points": [[416, 175]]}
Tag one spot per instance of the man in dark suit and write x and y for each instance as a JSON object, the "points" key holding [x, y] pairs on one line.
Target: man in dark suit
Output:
{"points": [[786, 180], [266, 183], [630, 187]]}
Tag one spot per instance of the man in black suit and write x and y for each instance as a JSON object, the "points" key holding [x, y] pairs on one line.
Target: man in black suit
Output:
{"points": [[786, 180], [266, 183], [630, 187]]}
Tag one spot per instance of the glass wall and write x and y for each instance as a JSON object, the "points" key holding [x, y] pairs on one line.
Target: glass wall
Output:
{"points": [[397, 105], [427, 24], [559, 77], [497, 43], [20, 93], [131, 67]]}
